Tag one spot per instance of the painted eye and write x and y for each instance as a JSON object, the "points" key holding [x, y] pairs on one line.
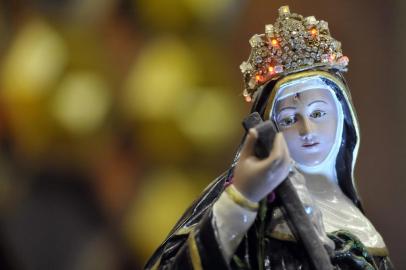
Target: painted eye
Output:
{"points": [[317, 114], [288, 121]]}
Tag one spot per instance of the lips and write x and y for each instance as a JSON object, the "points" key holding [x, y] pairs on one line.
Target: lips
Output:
{"points": [[310, 145]]}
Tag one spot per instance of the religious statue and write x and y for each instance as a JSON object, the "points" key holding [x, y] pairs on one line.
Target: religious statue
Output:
{"points": [[294, 78]]}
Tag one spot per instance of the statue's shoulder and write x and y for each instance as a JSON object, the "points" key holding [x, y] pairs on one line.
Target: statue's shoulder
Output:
{"points": [[191, 217], [203, 203]]}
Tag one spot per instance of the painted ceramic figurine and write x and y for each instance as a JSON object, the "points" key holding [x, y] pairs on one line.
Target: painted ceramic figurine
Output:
{"points": [[294, 78]]}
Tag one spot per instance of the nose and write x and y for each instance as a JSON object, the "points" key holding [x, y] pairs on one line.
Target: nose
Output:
{"points": [[305, 127]]}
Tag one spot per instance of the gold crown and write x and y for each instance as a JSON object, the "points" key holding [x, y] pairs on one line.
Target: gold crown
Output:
{"points": [[292, 44]]}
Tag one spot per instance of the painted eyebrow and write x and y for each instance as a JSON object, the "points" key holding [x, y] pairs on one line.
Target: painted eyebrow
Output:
{"points": [[311, 103], [287, 108]]}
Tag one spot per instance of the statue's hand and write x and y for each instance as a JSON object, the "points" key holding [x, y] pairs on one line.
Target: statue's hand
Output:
{"points": [[256, 178]]}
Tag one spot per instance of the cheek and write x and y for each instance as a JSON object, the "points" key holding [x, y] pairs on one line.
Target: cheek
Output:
{"points": [[327, 130], [292, 139], [289, 135]]}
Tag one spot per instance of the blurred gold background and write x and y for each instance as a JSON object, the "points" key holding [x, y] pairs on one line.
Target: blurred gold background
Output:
{"points": [[115, 114]]}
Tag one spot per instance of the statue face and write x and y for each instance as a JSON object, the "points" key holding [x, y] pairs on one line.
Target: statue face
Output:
{"points": [[308, 121]]}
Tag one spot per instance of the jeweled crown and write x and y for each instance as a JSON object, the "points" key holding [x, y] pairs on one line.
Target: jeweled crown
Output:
{"points": [[293, 43]]}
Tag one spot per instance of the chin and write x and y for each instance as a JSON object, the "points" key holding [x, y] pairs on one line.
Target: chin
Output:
{"points": [[310, 160]]}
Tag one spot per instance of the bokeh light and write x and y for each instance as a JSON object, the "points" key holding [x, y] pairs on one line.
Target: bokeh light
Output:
{"points": [[81, 102]]}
